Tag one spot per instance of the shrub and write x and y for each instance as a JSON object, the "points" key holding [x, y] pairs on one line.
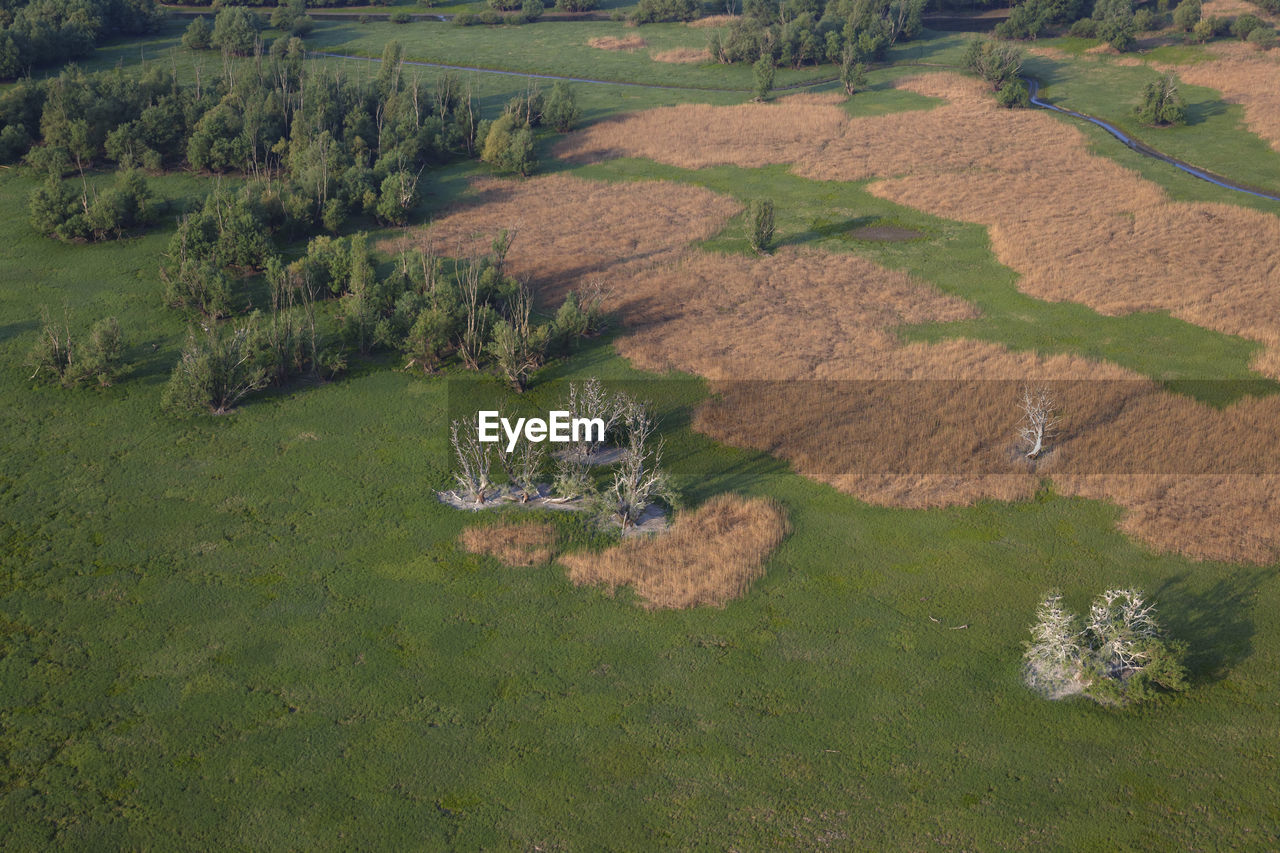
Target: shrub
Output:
{"points": [[1202, 31], [762, 76], [760, 230], [1242, 26], [1085, 28], [217, 370], [1013, 94], [57, 357], [1161, 103], [531, 10], [661, 11], [1186, 15], [1263, 38], [464, 19], [401, 17], [235, 30], [1144, 21], [198, 34], [994, 61], [1115, 23], [508, 146], [576, 5], [561, 108]]}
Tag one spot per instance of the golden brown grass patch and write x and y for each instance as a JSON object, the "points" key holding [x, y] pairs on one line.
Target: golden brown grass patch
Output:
{"points": [[627, 43], [713, 21], [683, 55], [1246, 76], [517, 544], [708, 556], [1076, 225], [568, 230], [1233, 9]]}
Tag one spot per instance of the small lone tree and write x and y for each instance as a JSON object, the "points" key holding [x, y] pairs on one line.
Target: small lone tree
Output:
{"points": [[853, 74], [1187, 15], [561, 109], [1038, 419], [1162, 104], [216, 371], [760, 229], [56, 356], [762, 75], [518, 347], [472, 457]]}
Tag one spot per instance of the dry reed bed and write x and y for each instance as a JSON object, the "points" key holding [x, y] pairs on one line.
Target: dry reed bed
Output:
{"points": [[713, 21], [568, 230], [627, 43], [682, 56], [1076, 225], [808, 315], [517, 544], [707, 557]]}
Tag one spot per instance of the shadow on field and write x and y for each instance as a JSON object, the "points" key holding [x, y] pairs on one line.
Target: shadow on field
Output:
{"points": [[9, 331], [1215, 622], [1200, 111]]}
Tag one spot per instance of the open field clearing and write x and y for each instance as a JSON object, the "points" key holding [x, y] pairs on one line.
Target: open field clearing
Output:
{"points": [[1084, 229], [617, 42], [709, 556], [1247, 77]]}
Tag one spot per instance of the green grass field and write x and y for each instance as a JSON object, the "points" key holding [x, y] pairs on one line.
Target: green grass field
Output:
{"points": [[258, 631]]}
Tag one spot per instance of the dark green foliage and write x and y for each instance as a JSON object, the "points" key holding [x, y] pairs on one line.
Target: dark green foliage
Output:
{"points": [[1186, 15], [996, 62], [235, 31], [531, 10], [1115, 23], [1145, 21], [1161, 105], [1085, 28], [1263, 38], [218, 369], [71, 361], [508, 146], [760, 225], [527, 108], [1013, 93], [45, 31], [397, 196], [199, 34], [561, 108], [56, 209], [853, 75], [762, 77], [1030, 18], [400, 17], [576, 5], [1243, 25], [659, 11]]}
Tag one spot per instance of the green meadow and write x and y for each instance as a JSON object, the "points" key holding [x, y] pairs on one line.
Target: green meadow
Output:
{"points": [[258, 630]]}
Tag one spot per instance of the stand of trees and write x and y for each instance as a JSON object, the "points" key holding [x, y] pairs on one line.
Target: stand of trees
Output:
{"points": [[45, 31], [811, 32]]}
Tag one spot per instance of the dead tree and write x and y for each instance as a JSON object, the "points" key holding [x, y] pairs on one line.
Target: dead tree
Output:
{"points": [[1038, 419], [472, 457]]}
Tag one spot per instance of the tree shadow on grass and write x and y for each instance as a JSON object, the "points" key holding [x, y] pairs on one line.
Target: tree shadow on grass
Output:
{"points": [[1215, 621]]}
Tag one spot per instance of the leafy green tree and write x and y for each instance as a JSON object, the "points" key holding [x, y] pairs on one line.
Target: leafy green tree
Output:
{"points": [[1162, 105], [216, 372], [996, 62], [762, 77], [853, 74], [428, 340], [397, 197], [57, 357], [199, 34], [1243, 25], [760, 228], [1186, 15], [659, 11], [235, 31], [561, 108], [1263, 38], [508, 146], [1115, 23]]}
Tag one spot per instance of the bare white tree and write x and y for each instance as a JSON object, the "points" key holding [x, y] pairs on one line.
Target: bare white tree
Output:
{"points": [[1121, 624], [1039, 421], [472, 457], [639, 480], [1052, 665], [523, 465]]}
